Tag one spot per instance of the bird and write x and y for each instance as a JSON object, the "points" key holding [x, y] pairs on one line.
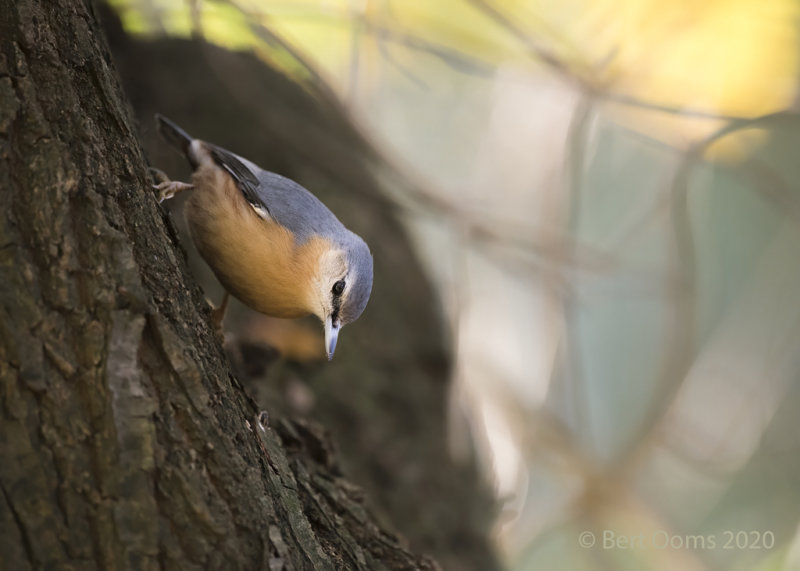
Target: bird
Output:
{"points": [[270, 242]]}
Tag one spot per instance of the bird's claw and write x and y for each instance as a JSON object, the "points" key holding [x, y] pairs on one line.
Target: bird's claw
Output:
{"points": [[170, 188]]}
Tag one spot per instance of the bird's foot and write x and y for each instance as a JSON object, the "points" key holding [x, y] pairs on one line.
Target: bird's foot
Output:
{"points": [[168, 189]]}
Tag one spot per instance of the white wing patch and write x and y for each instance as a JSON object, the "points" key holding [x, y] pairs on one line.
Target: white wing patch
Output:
{"points": [[261, 212]]}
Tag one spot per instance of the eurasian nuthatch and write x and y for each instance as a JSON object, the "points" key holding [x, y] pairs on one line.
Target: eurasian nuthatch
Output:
{"points": [[271, 243]]}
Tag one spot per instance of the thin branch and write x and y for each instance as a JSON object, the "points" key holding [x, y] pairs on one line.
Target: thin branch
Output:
{"points": [[535, 50], [631, 101], [577, 140], [455, 59], [316, 82], [357, 26]]}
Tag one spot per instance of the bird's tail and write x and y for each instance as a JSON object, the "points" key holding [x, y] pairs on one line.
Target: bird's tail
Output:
{"points": [[174, 135]]}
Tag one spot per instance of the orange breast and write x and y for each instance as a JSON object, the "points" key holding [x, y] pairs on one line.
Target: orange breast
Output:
{"points": [[256, 260]]}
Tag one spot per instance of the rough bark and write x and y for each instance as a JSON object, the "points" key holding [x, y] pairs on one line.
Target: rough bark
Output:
{"points": [[125, 440]]}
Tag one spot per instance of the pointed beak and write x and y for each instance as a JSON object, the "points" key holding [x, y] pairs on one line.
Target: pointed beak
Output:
{"points": [[331, 335]]}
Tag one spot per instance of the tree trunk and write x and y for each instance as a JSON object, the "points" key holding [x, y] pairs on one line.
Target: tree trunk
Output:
{"points": [[384, 398], [125, 440]]}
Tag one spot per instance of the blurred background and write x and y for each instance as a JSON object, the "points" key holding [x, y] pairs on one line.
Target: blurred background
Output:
{"points": [[603, 198]]}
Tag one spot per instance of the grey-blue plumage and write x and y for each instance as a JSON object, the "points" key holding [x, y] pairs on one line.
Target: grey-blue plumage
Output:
{"points": [[304, 215]]}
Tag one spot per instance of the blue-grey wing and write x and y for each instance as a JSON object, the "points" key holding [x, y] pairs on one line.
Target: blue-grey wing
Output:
{"points": [[245, 177], [291, 205], [297, 209]]}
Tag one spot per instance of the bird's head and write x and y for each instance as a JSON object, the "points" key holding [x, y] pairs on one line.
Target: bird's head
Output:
{"points": [[341, 287]]}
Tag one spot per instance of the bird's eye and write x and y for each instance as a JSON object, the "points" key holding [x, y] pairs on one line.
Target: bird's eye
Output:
{"points": [[338, 287]]}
